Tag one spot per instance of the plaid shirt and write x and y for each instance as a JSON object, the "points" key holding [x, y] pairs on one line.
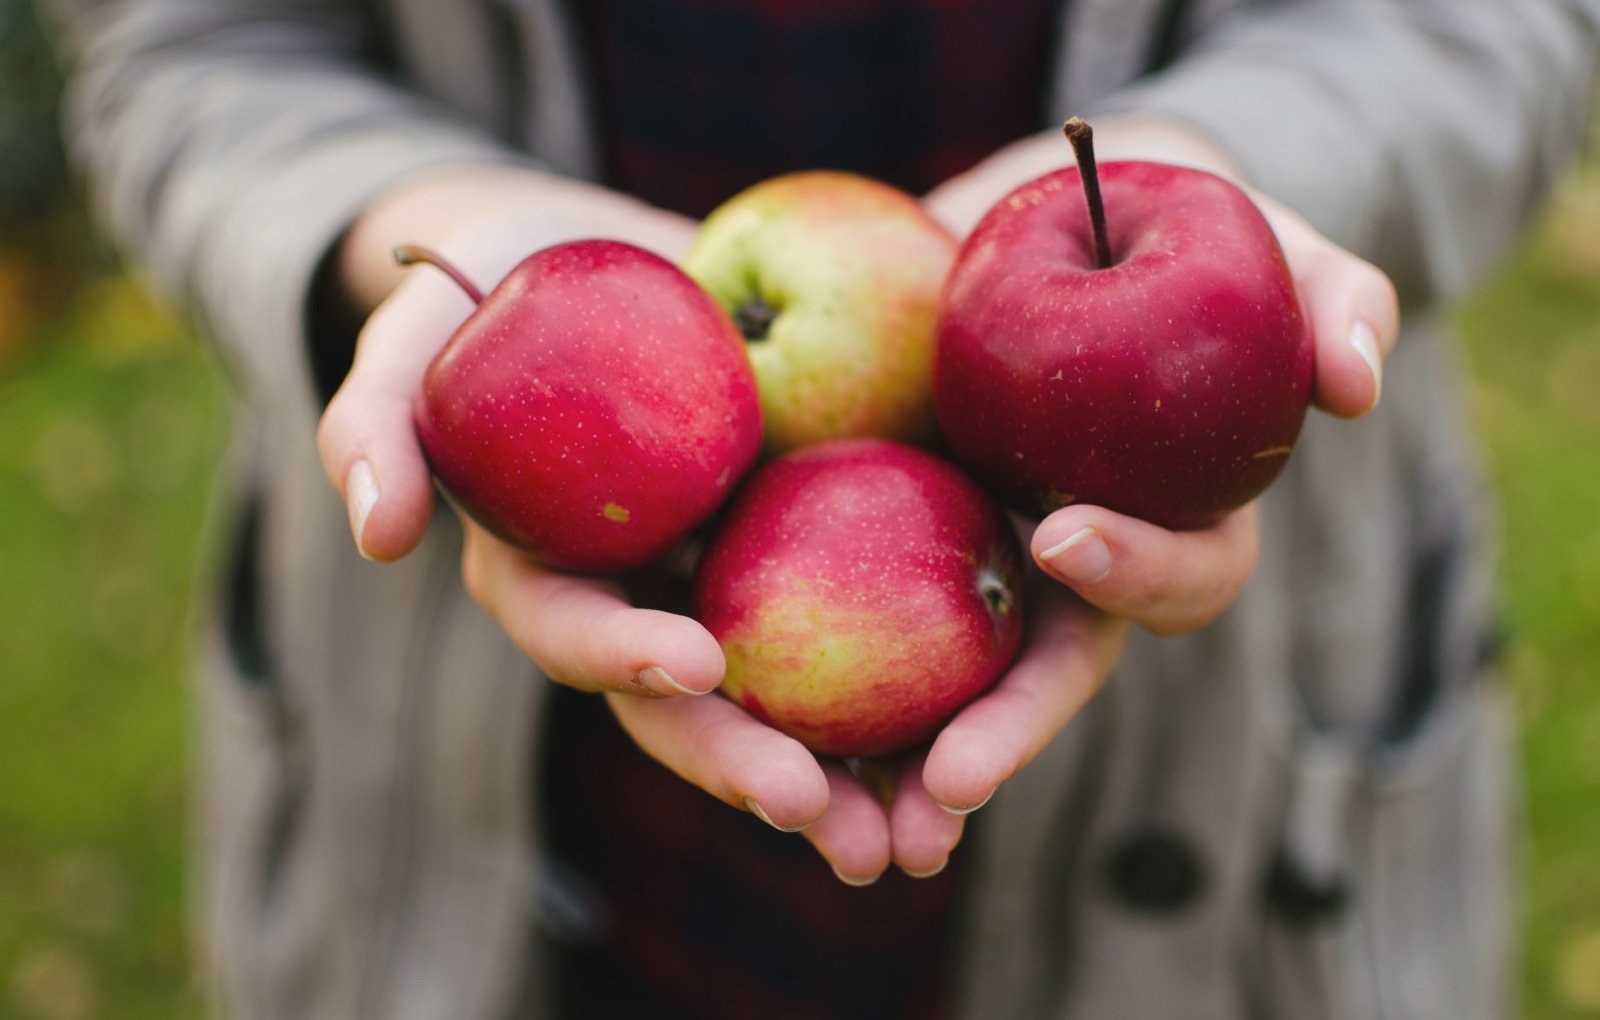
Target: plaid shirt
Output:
{"points": [[698, 99], [700, 910], [691, 909]]}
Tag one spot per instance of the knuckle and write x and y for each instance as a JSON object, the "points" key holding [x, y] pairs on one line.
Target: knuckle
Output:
{"points": [[1375, 282], [331, 429]]}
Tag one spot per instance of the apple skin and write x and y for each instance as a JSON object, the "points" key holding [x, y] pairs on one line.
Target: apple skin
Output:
{"points": [[596, 408], [862, 591], [850, 270], [1170, 386]]}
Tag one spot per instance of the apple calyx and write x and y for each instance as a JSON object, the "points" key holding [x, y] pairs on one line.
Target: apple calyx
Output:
{"points": [[1081, 135], [755, 318], [997, 594], [411, 254]]}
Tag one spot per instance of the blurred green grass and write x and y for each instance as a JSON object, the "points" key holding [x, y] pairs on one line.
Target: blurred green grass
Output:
{"points": [[1533, 344], [110, 428]]}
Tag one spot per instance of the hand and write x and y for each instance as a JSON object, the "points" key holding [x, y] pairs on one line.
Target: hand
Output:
{"points": [[583, 632], [580, 631], [1120, 569]]}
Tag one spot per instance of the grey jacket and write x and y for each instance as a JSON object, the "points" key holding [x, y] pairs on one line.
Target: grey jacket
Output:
{"points": [[1302, 811]]}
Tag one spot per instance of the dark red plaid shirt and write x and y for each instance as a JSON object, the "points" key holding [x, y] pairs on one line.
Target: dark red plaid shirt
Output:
{"points": [[700, 910], [697, 99]]}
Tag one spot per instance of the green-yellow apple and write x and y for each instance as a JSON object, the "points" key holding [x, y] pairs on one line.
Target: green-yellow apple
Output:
{"points": [[594, 409], [862, 591], [834, 281]]}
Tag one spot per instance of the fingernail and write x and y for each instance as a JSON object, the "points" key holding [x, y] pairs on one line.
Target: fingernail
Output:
{"points": [[930, 872], [658, 680], [859, 883], [760, 812], [1083, 558], [361, 494], [969, 810], [1365, 343]]}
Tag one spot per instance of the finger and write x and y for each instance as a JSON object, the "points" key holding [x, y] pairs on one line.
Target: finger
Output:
{"points": [[853, 833], [366, 437], [1169, 581], [582, 632], [921, 833], [717, 746], [1351, 309], [1070, 650]]}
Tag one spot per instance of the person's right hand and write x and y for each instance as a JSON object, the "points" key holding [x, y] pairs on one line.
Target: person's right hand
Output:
{"points": [[581, 631]]}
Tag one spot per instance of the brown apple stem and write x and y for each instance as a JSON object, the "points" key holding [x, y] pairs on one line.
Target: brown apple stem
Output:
{"points": [[1081, 135], [411, 254]]}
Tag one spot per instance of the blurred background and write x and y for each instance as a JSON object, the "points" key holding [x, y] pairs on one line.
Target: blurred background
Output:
{"points": [[113, 420]]}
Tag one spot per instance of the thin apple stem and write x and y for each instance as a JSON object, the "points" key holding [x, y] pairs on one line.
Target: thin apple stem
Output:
{"points": [[411, 254], [1081, 135]]}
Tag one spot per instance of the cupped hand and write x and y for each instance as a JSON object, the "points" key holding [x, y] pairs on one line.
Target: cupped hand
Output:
{"points": [[581, 631], [1114, 570]]}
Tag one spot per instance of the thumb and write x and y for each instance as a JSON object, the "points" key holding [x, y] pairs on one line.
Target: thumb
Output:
{"points": [[367, 440]]}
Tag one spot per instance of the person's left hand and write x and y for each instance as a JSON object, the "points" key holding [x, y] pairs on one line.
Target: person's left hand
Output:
{"points": [[1114, 569]]}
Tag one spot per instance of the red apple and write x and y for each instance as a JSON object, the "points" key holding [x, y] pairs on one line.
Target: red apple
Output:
{"points": [[595, 408], [1162, 369], [862, 591], [834, 279]]}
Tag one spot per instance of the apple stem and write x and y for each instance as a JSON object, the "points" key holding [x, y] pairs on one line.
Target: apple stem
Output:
{"points": [[411, 254], [1081, 135]]}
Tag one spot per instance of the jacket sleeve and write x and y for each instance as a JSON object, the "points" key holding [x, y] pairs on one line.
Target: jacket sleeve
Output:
{"points": [[228, 143], [1416, 133]]}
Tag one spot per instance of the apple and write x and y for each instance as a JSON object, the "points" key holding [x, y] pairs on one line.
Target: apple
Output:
{"points": [[1146, 353], [594, 409], [834, 280], [862, 591]]}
